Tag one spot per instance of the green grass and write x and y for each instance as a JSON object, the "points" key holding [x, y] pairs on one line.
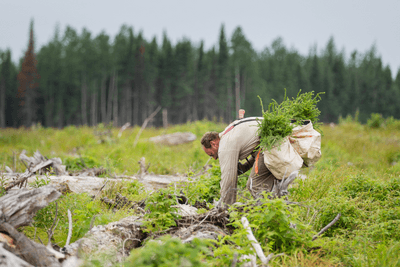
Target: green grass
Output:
{"points": [[115, 154], [357, 176]]}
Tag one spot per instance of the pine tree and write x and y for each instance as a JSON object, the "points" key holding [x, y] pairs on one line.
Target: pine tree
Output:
{"points": [[224, 89], [28, 84]]}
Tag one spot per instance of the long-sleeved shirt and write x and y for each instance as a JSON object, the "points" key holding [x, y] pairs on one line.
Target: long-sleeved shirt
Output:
{"points": [[235, 144]]}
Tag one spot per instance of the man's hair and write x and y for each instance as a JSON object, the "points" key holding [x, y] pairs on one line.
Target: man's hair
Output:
{"points": [[208, 137]]}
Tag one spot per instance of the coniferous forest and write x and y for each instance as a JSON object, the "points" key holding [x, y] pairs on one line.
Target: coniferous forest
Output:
{"points": [[81, 79]]}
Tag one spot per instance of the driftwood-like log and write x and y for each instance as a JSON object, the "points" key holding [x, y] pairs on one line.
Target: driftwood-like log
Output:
{"points": [[32, 163], [173, 139], [254, 241], [8, 259], [33, 253], [37, 164], [19, 207]]}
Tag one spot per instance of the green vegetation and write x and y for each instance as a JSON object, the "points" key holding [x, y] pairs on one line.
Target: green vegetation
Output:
{"points": [[357, 176]]}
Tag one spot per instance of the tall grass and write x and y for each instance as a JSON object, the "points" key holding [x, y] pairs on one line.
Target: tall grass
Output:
{"points": [[115, 154]]}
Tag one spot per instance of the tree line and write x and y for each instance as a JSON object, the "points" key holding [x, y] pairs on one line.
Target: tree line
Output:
{"points": [[81, 79]]}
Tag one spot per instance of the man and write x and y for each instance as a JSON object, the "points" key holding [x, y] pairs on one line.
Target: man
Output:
{"points": [[237, 142]]}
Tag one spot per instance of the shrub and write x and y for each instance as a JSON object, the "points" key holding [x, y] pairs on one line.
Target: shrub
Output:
{"points": [[276, 225], [204, 188], [376, 120], [79, 163], [169, 251], [361, 186], [329, 207], [162, 213]]}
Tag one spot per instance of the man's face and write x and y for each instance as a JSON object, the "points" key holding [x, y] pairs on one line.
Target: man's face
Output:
{"points": [[213, 150]]}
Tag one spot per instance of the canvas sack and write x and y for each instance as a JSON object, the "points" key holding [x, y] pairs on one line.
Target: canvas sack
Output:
{"points": [[282, 160], [307, 142]]}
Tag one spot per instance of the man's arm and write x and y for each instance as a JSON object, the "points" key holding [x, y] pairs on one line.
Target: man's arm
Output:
{"points": [[228, 161]]}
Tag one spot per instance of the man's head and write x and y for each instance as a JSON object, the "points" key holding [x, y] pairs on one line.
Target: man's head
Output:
{"points": [[210, 144]]}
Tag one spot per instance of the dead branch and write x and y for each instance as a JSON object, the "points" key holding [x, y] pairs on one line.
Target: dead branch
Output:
{"points": [[50, 232], [254, 241], [142, 163], [20, 180], [145, 124], [105, 183], [327, 227], [123, 128], [69, 228]]}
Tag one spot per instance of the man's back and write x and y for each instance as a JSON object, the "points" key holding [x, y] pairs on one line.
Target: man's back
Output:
{"points": [[237, 141]]}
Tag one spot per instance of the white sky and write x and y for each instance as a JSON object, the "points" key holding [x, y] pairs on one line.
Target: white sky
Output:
{"points": [[354, 24]]}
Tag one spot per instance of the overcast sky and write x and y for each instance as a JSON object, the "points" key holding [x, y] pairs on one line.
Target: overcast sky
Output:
{"points": [[355, 25]]}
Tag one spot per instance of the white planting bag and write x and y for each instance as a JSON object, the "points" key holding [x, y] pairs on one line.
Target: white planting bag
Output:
{"points": [[283, 160], [307, 142]]}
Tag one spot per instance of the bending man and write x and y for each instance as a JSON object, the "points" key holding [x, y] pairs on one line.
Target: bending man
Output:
{"points": [[237, 142]]}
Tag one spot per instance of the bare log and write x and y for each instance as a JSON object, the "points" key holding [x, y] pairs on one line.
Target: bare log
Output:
{"points": [[19, 207], [174, 138], [34, 253]]}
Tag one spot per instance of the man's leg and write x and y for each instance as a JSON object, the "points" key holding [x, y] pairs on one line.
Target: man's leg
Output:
{"points": [[261, 181]]}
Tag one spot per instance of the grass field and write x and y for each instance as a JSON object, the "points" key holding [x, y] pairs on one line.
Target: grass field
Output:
{"points": [[357, 176]]}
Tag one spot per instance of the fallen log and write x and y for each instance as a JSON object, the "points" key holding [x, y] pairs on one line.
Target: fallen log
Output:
{"points": [[108, 239], [8, 259], [33, 253], [19, 207], [173, 139]]}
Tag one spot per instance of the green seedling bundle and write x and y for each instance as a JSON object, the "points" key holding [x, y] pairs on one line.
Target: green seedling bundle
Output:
{"points": [[280, 119]]}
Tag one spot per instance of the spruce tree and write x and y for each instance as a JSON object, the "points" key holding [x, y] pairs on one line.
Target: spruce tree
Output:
{"points": [[28, 84]]}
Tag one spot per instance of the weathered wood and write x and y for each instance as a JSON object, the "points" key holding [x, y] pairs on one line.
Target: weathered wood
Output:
{"points": [[31, 252], [254, 241], [19, 181], [173, 139], [280, 188], [19, 207], [8, 259], [36, 164], [108, 239]]}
